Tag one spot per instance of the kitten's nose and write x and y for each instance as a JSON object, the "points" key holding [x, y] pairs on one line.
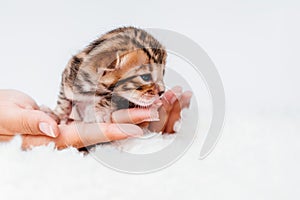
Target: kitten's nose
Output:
{"points": [[160, 93], [160, 88]]}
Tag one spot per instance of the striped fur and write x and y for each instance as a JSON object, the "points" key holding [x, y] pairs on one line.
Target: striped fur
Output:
{"points": [[123, 67]]}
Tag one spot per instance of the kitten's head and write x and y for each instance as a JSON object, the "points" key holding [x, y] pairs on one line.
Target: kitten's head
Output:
{"points": [[140, 79], [131, 63]]}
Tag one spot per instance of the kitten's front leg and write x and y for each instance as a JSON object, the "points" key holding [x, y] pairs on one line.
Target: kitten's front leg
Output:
{"points": [[103, 111], [61, 112], [63, 109], [50, 112]]}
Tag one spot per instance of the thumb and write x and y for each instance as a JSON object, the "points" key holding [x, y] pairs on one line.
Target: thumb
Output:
{"points": [[35, 122]]}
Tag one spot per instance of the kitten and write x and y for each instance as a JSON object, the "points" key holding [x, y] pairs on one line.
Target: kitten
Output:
{"points": [[123, 68]]}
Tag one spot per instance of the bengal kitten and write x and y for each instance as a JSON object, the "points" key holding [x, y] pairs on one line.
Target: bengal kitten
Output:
{"points": [[123, 68]]}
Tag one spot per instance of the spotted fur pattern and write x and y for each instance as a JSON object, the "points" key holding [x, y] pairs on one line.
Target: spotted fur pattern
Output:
{"points": [[124, 67]]}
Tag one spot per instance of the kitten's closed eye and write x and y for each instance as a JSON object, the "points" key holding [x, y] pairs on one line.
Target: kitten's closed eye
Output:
{"points": [[146, 77]]}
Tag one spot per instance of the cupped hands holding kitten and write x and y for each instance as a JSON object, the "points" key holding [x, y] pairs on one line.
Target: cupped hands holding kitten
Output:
{"points": [[20, 115]]}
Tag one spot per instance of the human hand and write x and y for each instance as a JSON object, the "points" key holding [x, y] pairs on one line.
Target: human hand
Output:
{"points": [[19, 114], [169, 108], [78, 134], [173, 102]]}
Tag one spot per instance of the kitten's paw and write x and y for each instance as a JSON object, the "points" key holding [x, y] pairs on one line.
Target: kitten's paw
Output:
{"points": [[50, 112], [103, 116]]}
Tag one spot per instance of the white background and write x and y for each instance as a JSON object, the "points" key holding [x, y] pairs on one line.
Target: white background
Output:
{"points": [[255, 47]]}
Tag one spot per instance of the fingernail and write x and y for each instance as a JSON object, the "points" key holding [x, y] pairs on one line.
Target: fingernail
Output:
{"points": [[47, 129]]}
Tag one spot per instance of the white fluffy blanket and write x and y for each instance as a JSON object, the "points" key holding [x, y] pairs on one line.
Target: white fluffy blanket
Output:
{"points": [[256, 158]]}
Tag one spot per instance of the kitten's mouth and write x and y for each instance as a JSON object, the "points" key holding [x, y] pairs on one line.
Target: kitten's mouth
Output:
{"points": [[123, 103], [133, 105]]}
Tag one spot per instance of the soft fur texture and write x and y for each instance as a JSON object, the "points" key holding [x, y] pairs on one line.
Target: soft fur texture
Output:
{"points": [[123, 68], [253, 160]]}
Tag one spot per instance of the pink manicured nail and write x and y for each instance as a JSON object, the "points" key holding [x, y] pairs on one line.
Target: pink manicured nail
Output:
{"points": [[47, 129]]}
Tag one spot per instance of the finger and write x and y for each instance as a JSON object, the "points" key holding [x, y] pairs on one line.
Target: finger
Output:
{"points": [[183, 102], [28, 141], [172, 95], [81, 135], [168, 102], [6, 138], [35, 122], [27, 103], [134, 115], [19, 98], [163, 113], [50, 113]]}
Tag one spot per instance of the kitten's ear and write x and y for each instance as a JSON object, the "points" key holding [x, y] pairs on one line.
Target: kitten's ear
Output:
{"points": [[110, 61], [104, 61], [131, 59], [120, 59]]}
